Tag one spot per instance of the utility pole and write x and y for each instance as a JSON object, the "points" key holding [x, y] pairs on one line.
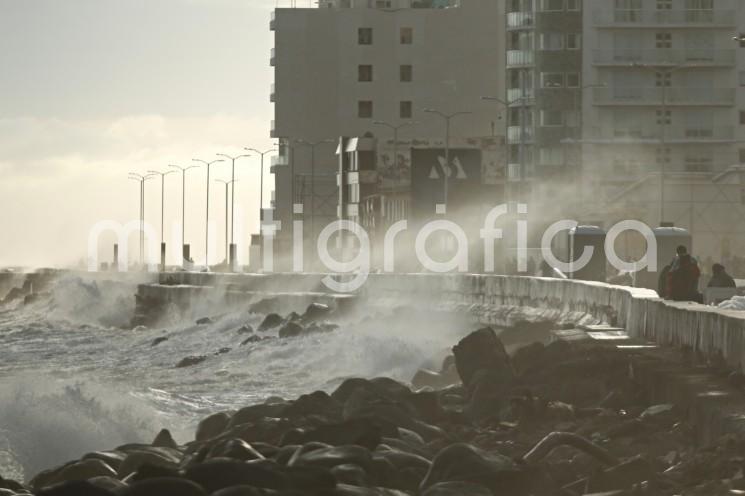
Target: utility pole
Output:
{"points": [[261, 181], [141, 179], [232, 257], [227, 245], [207, 215], [184, 249], [447, 118], [162, 214]]}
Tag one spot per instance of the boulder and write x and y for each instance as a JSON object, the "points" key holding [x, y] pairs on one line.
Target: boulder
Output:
{"points": [[74, 488], [316, 311], [291, 330], [137, 459], [246, 329], [165, 440], [481, 350], [212, 426], [164, 486], [457, 489], [332, 456], [108, 483], [190, 361], [361, 431], [237, 449], [159, 340], [220, 473], [204, 321], [270, 322]]}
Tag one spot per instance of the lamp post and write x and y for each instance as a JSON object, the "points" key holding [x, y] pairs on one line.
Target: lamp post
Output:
{"points": [[395, 135], [226, 183], [666, 70], [207, 214], [261, 179], [184, 254], [232, 197], [313, 145], [447, 118], [141, 179], [162, 213]]}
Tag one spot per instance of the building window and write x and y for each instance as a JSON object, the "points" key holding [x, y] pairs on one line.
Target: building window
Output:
{"points": [[365, 73], [553, 5], [365, 36], [663, 79], [664, 40], [698, 163], [574, 5], [573, 80], [552, 41], [552, 79], [742, 118], [407, 73], [662, 156], [574, 41], [550, 118], [664, 4], [365, 109], [406, 110], [407, 36], [664, 117]]}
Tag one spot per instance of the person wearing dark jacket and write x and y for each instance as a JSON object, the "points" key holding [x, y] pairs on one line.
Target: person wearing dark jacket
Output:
{"points": [[720, 278], [682, 279]]}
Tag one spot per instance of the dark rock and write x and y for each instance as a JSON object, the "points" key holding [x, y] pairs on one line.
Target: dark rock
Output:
{"points": [[212, 426], [81, 470], [165, 486], [159, 340], [291, 330], [112, 458], [529, 358], [221, 473], [350, 474], [237, 449], [464, 463], [74, 488], [363, 432], [457, 489], [136, 459], [316, 403], [316, 311], [270, 322], [345, 490], [254, 413], [246, 329], [252, 339], [204, 321], [481, 350], [109, 484], [190, 361], [223, 351], [333, 456], [246, 491], [165, 440]]}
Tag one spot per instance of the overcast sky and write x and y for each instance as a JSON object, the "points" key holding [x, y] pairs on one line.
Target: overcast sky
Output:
{"points": [[92, 89]]}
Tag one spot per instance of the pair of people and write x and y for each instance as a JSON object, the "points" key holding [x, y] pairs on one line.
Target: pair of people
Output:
{"points": [[679, 280]]}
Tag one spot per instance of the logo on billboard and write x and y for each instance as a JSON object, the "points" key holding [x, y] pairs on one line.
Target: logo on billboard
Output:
{"points": [[434, 173]]}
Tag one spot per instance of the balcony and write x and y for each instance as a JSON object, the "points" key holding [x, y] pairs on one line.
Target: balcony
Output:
{"points": [[520, 58], [686, 18], [279, 161], [515, 94], [665, 57], [520, 20], [273, 57], [673, 96], [516, 134], [272, 97], [273, 21], [273, 130], [652, 134]]}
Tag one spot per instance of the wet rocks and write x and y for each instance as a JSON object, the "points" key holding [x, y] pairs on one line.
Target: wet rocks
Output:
{"points": [[205, 321], [291, 330], [190, 361], [159, 340], [270, 322], [245, 329]]}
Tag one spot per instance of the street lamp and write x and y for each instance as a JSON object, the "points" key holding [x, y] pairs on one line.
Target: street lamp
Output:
{"points": [[141, 179], [261, 176], [207, 216], [162, 213], [232, 194], [666, 70], [183, 207], [395, 135], [313, 145], [447, 118], [226, 183]]}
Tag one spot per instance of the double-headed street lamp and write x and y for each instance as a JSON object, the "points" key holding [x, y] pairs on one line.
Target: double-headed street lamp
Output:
{"points": [[395, 129], [183, 207], [207, 215], [162, 213], [447, 169], [141, 179], [232, 193], [261, 179]]}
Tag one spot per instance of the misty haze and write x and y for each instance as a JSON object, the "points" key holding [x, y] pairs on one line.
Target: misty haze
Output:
{"points": [[372, 247]]}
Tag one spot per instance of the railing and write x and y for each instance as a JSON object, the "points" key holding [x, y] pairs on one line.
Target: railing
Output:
{"points": [[515, 94], [272, 56], [664, 56], [520, 19], [520, 57], [687, 17], [516, 134], [279, 160], [273, 129], [272, 92], [654, 133], [633, 95]]}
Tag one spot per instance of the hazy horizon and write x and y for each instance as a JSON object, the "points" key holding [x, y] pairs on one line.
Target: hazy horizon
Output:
{"points": [[94, 89]]}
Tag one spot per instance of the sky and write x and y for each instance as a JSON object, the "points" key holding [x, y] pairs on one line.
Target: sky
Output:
{"points": [[93, 89]]}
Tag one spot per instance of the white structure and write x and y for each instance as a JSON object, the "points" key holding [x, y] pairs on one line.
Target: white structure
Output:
{"points": [[343, 66]]}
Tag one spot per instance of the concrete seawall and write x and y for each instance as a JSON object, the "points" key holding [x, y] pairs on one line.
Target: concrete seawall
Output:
{"points": [[499, 300]]}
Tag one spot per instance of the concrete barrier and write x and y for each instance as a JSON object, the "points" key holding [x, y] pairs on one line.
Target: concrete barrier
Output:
{"points": [[498, 299]]}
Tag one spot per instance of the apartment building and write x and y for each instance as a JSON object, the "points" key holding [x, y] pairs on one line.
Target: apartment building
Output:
{"points": [[343, 68], [665, 119]]}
